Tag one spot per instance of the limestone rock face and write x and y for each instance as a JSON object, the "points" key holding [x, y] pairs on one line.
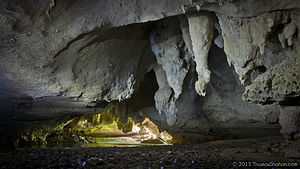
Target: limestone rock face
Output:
{"points": [[173, 61], [289, 120], [164, 99], [168, 47], [279, 83], [32, 36], [262, 52], [201, 30], [245, 40], [33, 33], [91, 70], [93, 52], [38, 38]]}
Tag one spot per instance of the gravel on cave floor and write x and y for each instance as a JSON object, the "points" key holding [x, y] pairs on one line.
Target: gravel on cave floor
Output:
{"points": [[216, 154]]}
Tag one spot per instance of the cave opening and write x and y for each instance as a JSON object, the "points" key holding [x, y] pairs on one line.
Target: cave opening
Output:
{"points": [[148, 84], [222, 114]]}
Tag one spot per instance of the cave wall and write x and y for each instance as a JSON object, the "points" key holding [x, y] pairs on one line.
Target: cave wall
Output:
{"points": [[105, 65], [270, 42], [32, 36], [93, 51]]}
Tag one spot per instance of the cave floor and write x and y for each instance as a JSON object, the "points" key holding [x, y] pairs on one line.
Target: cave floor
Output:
{"points": [[215, 154]]}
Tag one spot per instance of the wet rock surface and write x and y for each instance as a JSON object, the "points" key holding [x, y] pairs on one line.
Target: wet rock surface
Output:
{"points": [[217, 154]]}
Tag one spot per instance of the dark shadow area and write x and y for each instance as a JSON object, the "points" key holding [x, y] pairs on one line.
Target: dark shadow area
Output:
{"points": [[291, 101], [144, 97]]}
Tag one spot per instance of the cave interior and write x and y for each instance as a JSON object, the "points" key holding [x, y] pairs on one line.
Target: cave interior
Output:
{"points": [[187, 84]]}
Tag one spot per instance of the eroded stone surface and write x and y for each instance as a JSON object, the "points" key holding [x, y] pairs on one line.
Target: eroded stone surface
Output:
{"points": [[245, 40], [91, 70], [33, 36], [278, 84], [289, 120], [201, 28], [164, 97], [261, 50], [90, 51], [168, 46], [54, 27]]}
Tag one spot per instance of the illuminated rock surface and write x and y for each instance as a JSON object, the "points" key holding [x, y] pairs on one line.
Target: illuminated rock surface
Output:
{"points": [[201, 70], [105, 129], [201, 32]]}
